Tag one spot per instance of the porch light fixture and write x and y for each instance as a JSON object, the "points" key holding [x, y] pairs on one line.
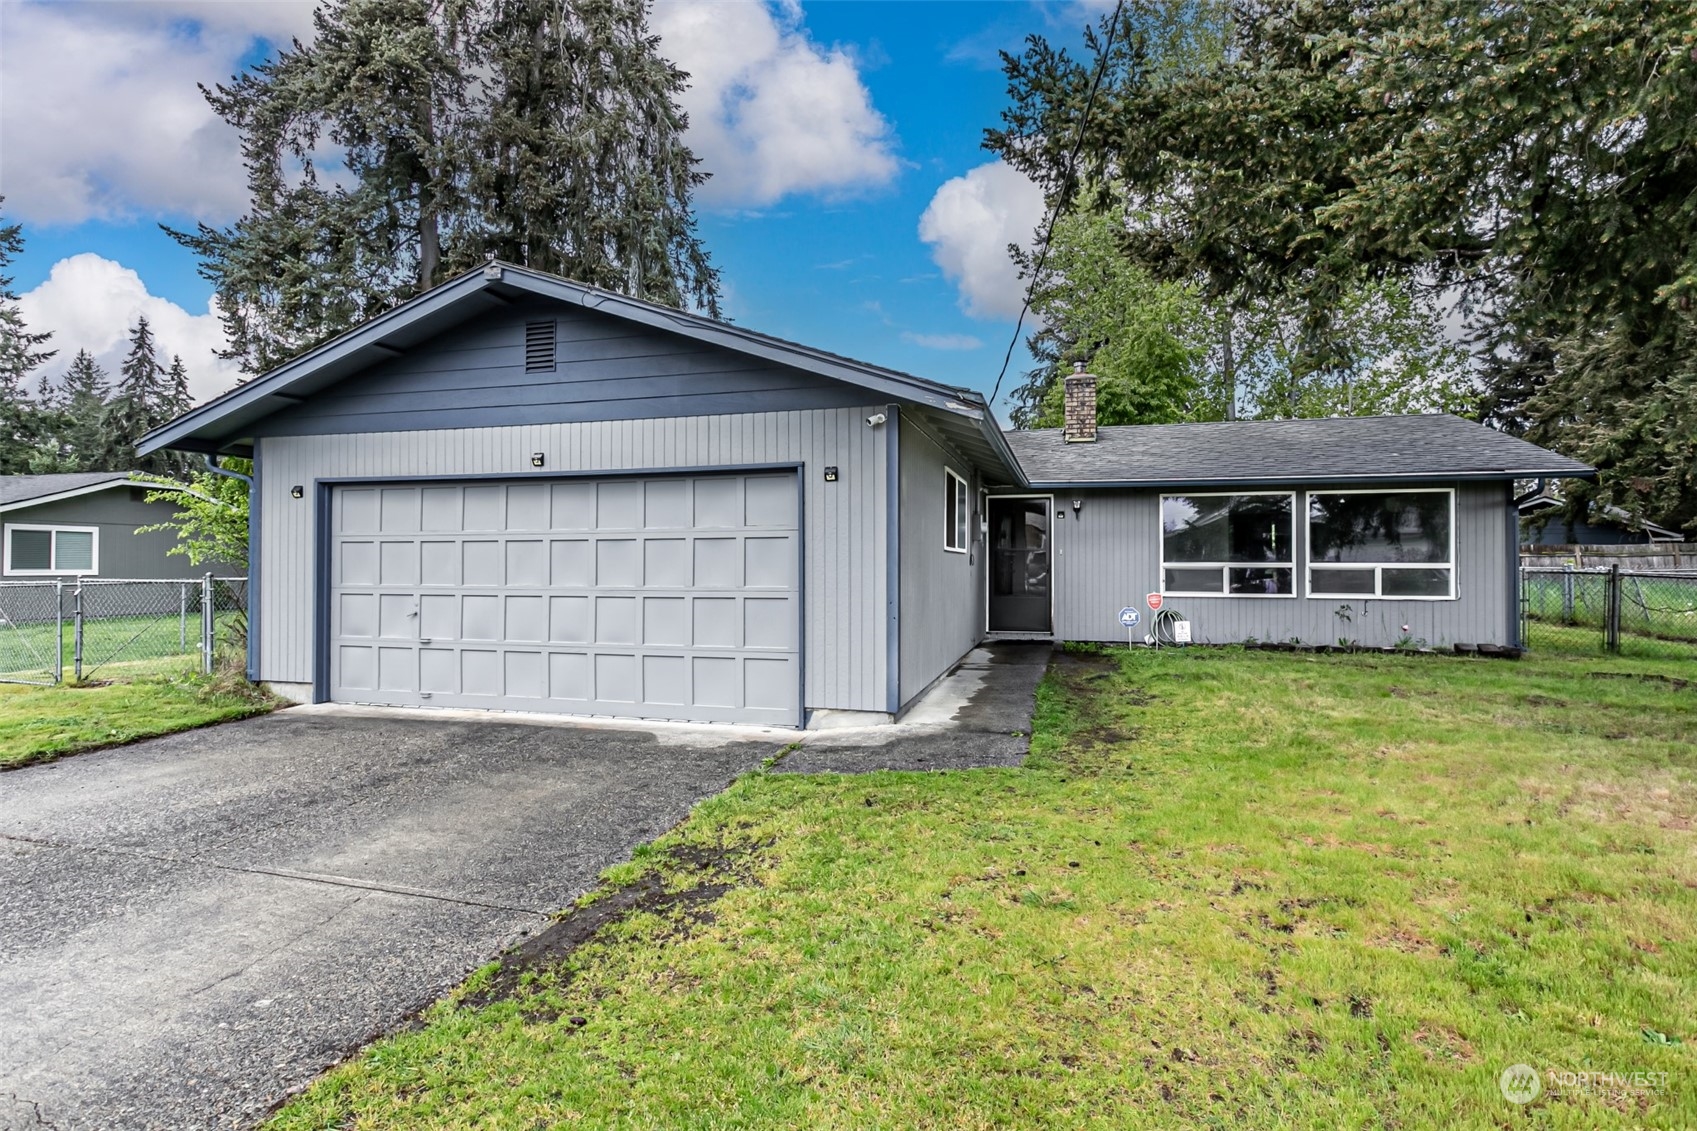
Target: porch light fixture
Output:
{"points": [[536, 459], [297, 492], [1077, 505]]}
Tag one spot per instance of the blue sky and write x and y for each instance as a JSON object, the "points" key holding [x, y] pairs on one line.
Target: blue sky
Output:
{"points": [[852, 206]]}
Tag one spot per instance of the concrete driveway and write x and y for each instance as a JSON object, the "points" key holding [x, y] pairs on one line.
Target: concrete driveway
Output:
{"points": [[193, 926]]}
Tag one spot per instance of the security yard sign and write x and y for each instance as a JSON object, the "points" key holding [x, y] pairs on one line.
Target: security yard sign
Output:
{"points": [[1154, 600]]}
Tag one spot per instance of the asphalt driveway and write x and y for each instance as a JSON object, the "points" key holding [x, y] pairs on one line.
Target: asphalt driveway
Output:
{"points": [[193, 926]]}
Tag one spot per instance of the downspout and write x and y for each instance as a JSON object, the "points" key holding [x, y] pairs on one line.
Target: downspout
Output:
{"points": [[252, 558]]}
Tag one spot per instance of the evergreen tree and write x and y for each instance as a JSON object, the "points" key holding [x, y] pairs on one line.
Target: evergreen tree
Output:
{"points": [[541, 131], [21, 422], [1532, 157], [142, 404], [177, 399], [82, 403]]}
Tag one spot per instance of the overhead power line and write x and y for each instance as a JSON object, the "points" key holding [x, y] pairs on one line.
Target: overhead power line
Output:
{"points": [[1055, 212]]}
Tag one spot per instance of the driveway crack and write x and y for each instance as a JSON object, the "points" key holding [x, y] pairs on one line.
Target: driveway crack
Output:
{"points": [[297, 936], [280, 873]]}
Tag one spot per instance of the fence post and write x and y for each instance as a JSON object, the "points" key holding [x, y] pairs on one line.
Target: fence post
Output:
{"points": [[1567, 594], [1611, 618], [206, 625], [183, 618], [76, 633], [59, 631]]}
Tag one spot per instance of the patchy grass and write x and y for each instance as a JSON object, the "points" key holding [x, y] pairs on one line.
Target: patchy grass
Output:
{"points": [[41, 723], [166, 641], [1230, 889]]}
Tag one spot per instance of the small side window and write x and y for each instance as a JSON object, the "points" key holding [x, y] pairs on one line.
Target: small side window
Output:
{"points": [[957, 513]]}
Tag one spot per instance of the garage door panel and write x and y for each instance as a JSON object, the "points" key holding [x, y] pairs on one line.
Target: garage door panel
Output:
{"points": [[667, 563], [660, 597], [666, 504], [398, 510], [356, 563], [527, 506], [357, 512], [527, 563], [715, 622]]}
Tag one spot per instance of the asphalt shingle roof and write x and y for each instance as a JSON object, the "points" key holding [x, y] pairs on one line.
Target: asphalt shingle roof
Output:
{"points": [[1284, 451], [23, 488]]}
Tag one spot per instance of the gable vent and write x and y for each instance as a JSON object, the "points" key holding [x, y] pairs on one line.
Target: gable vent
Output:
{"points": [[539, 344]]}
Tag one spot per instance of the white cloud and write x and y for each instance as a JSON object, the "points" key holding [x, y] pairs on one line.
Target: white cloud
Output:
{"points": [[90, 302], [100, 117], [969, 224], [770, 111], [942, 341]]}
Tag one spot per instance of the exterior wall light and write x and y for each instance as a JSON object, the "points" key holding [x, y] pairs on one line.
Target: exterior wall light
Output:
{"points": [[297, 492], [536, 459]]}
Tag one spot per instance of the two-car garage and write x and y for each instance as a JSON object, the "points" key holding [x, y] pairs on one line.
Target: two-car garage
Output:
{"points": [[660, 597]]}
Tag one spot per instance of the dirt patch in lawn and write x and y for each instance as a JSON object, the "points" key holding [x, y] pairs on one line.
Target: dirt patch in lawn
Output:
{"points": [[681, 889]]}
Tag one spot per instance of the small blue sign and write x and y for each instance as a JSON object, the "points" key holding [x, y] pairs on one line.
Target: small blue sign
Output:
{"points": [[1129, 617]]}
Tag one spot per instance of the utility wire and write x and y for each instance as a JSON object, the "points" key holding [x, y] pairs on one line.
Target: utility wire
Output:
{"points": [[1066, 181]]}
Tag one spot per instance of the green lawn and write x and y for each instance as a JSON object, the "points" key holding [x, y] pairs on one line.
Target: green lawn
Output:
{"points": [[41, 723], [1231, 889]]}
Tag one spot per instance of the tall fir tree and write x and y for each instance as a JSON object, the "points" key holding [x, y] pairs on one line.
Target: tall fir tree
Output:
{"points": [[545, 132], [82, 403], [22, 422], [142, 404]]}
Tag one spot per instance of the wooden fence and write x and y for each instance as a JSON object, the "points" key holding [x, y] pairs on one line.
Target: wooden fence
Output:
{"points": [[1652, 557]]}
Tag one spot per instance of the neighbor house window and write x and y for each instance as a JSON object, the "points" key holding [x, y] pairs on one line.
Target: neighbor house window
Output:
{"points": [[1227, 545], [52, 549], [1382, 544], [957, 512]]}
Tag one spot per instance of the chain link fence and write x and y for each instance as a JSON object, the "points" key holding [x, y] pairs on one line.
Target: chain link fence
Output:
{"points": [[1610, 610], [52, 631]]}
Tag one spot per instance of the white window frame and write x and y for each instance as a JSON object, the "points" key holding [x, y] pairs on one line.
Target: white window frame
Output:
{"points": [[1376, 568], [53, 554], [960, 491], [1223, 567]]}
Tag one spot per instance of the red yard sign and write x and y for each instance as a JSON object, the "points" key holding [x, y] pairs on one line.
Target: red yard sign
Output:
{"points": [[1154, 600]]}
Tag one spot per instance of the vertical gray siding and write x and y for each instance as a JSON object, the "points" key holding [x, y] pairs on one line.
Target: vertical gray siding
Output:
{"points": [[1110, 557], [606, 368], [844, 580], [123, 553], [941, 599]]}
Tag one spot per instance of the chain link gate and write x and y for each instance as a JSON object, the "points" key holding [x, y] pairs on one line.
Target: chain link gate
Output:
{"points": [[51, 630], [1632, 613]]}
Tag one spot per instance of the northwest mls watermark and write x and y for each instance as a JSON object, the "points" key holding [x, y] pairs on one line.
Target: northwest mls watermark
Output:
{"points": [[1521, 1083]]}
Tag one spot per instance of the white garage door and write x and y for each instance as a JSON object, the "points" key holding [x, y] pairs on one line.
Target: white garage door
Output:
{"points": [[661, 598]]}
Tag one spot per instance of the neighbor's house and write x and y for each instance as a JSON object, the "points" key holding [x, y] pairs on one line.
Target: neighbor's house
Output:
{"points": [[1545, 522], [519, 492], [83, 525]]}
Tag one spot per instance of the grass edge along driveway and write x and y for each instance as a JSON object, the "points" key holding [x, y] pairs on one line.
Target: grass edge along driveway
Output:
{"points": [[39, 724], [1230, 888]]}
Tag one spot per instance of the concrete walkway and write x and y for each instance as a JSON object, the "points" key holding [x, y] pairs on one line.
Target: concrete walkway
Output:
{"points": [[978, 715]]}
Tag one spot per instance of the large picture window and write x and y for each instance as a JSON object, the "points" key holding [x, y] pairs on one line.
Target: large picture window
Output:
{"points": [[1382, 544], [65, 550], [957, 513], [1227, 545]]}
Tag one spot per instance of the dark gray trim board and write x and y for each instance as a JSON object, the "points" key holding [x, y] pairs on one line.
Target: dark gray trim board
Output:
{"points": [[893, 559], [255, 529]]}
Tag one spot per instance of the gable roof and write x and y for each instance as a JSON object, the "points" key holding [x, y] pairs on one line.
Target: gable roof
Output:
{"points": [[222, 424], [17, 491], [1273, 452]]}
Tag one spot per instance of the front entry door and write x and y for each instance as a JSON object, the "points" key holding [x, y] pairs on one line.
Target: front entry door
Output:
{"points": [[1019, 565]]}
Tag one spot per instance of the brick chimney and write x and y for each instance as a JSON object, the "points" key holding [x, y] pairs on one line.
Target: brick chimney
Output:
{"points": [[1080, 406]]}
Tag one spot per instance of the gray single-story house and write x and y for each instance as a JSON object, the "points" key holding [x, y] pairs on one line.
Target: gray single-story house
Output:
{"points": [[83, 526], [522, 493]]}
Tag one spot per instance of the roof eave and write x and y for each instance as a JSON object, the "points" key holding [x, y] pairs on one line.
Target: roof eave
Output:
{"points": [[1285, 480]]}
